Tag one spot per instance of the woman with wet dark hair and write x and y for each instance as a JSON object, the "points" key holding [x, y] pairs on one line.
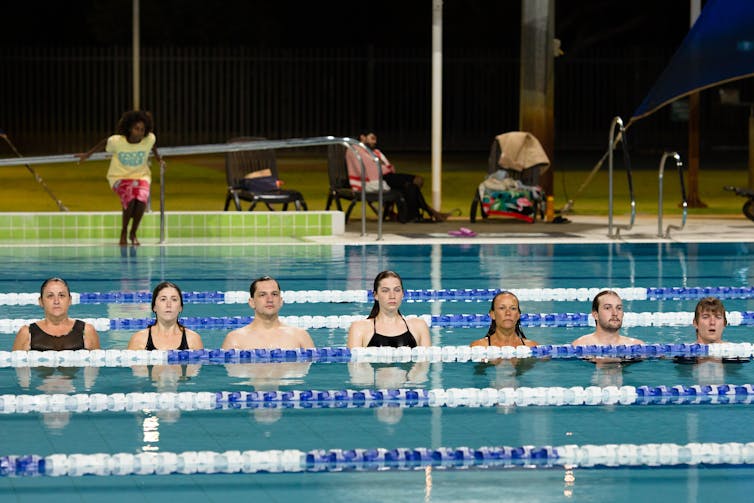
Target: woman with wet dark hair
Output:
{"points": [[56, 332], [166, 332], [385, 325], [505, 323]]}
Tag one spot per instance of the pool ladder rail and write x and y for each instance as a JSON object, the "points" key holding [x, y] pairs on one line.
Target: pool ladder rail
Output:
{"points": [[684, 202], [613, 231]]}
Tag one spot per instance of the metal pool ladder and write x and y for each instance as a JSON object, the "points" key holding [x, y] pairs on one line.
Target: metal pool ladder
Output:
{"points": [[684, 203], [617, 121]]}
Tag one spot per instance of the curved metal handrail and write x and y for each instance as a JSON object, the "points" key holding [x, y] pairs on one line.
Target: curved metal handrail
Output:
{"points": [[617, 121], [684, 203], [230, 147]]}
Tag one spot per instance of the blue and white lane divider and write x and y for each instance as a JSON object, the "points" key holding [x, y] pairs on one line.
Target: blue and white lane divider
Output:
{"points": [[373, 398], [546, 320], [379, 459], [439, 295], [128, 358]]}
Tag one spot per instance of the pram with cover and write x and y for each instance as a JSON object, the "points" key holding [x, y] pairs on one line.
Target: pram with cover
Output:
{"points": [[511, 188]]}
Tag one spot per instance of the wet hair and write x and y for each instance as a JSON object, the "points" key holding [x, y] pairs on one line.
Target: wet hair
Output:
{"points": [[253, 286], [128, 119], [712, 304], [161, 287], [53, 279], [596, 301], [384, 274], [493, 325]]}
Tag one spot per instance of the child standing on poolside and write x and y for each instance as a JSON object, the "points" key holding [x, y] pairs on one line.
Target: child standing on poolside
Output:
{"points": [[129, 174]]}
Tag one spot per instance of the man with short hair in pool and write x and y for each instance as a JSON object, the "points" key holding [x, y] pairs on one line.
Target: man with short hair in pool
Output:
{"points": [[709, 320], [607, 311], [266, 331]]}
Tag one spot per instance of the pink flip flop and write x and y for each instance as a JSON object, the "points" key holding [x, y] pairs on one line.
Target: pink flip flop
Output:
{"points": [[463, 232]]}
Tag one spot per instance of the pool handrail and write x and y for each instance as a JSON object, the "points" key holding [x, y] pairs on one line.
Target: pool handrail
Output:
{"points": [[684, 202], [613, 141], [222, 148]]}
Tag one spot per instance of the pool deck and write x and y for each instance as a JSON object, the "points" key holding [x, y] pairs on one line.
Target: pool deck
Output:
{"points": [[579, 229]]}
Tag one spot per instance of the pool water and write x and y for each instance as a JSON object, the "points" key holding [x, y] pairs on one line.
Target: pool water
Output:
{"points": [[423, 267]]}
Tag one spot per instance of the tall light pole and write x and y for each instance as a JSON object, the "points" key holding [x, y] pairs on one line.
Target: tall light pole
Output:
{"points": [[437, 104], [135, 49]]}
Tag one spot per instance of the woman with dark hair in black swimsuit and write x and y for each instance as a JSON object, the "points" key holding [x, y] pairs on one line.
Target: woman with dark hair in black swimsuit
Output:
{"points": [[166, 332], [385, 325], [505, 324]]}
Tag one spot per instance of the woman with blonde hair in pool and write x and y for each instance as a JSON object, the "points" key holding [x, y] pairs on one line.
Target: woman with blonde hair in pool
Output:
{"points": [[56, 332], [385, 325], [166, 332], [505, 324]]}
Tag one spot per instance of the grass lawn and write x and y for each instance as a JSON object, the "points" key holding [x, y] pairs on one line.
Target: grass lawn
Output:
{"points": [[197, 183]]}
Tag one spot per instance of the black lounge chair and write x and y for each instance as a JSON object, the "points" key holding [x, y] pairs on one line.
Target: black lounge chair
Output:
{"points": [[252, 176]]}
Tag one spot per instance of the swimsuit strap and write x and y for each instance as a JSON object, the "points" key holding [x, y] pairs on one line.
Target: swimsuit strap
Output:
{"points": [[150, 342]]}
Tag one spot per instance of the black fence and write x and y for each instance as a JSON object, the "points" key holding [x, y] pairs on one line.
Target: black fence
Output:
{"points": [[58, 100]]}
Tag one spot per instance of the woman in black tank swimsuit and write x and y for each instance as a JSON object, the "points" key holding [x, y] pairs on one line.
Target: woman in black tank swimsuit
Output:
{"points": [[505, 323], [166, 332], [385, 325], [56, 332]]}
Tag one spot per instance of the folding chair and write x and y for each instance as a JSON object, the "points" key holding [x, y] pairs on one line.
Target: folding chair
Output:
{"points": [[252, 176], [340, 187]]}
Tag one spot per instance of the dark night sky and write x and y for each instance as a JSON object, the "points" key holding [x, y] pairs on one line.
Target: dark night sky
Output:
{"points": [[580, 24]]}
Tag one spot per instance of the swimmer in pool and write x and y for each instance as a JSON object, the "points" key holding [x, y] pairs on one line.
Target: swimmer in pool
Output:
{"points": [[385, 325], [505, 325], [709, 321], [266, 331], [607, 311], [56, 332], [166, 332]]}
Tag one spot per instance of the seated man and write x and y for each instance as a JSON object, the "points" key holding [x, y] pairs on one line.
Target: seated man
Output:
{"points": [[409, 185], [709, 321], [607, 311], [266, 331]]}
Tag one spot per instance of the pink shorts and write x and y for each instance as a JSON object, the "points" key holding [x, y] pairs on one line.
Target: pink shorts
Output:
{"points": [[128, 190]]}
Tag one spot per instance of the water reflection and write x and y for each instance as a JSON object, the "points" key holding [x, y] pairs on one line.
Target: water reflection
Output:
{"points": [[388, 376], [56, 380], [269, 377]]}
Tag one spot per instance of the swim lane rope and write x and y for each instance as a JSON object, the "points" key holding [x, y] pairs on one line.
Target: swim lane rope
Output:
{"points": [[372, 398], [426, 295], [547, 320], [127, 358], [345, 460]]}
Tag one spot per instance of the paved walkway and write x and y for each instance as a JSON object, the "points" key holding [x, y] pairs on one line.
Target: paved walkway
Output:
{"points": [[580, 229]]}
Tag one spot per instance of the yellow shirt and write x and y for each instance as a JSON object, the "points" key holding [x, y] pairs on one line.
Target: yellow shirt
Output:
{"points": [[130, 160]]}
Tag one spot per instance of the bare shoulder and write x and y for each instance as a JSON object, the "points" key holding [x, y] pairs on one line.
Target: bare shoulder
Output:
{"points": [[231, 340], [194, 339], [530, 343], [23, 339], [138, 340], [417, 323], [631, 340], [360, 325], [479, 342], [584, 339]]}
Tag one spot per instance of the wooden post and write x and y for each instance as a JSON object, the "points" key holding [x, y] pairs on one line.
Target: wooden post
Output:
{"points": [[537, 78], [751, 147], [693, 199]]}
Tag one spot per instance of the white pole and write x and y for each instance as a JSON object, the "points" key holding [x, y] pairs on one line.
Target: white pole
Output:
{"points": [[135, 49], [437, 104]]}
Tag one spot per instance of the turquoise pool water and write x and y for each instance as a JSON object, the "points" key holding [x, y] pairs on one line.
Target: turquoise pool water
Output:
{"points": [[423, 267]]}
